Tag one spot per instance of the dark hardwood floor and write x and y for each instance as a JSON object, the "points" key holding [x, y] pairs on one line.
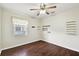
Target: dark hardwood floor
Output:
{"points": [[39, 48]]}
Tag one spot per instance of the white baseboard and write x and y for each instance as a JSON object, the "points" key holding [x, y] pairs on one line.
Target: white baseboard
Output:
{"points": [[62, 45], [19, 45]]}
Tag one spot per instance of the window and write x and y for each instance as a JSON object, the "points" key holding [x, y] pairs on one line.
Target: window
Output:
{"points": [[20, 26]]}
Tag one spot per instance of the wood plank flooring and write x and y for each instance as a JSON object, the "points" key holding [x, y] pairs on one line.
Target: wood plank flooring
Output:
{"points": [[39, 48]]}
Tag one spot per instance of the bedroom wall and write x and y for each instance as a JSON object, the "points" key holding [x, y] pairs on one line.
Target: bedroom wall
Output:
{"points": [[57, 32], [9, 40]]}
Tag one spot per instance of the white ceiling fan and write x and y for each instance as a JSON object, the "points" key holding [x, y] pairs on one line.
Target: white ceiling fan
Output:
{"points": [[44, 9]]}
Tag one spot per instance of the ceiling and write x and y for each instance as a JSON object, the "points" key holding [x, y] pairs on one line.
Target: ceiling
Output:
{"points": [[24, 7]]}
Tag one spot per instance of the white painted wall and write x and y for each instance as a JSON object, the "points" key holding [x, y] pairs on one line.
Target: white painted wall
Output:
{"points": [[58, 35], [9, 40]]}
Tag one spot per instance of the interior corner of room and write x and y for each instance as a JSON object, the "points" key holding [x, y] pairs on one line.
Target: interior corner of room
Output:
{"points": [[56, 29]]}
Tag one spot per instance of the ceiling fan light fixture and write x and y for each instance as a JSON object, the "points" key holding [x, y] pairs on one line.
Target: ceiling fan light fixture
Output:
{"points": [[42, 11]]}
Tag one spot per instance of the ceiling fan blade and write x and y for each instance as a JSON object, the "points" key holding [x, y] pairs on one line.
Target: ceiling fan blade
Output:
{"points": [[47, 13], [34, 9], [51, 7]]}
